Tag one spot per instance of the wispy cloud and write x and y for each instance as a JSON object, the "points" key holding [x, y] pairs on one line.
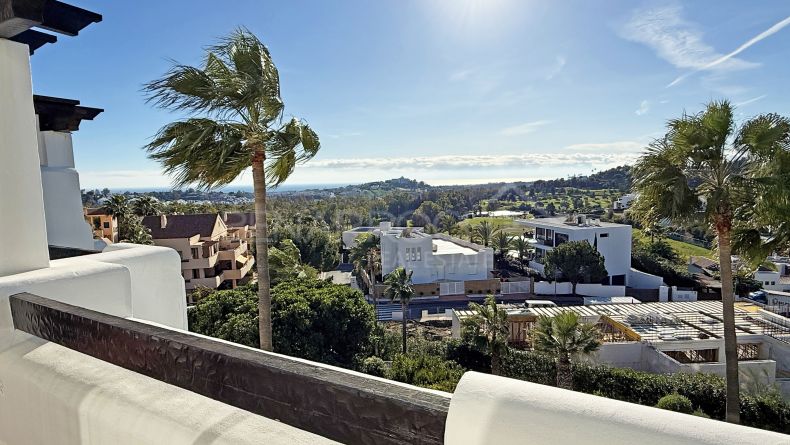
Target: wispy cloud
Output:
{"points": [[525, 128], [751, 101], [450, 162], [608, 147], [678, 41], [644, 107], [556, 69], [729, 56]]}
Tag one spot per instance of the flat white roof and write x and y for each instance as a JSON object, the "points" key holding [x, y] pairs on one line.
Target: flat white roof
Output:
{"points": [[444, 247], [560, 223]]}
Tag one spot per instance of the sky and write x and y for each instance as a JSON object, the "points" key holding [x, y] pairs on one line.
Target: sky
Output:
{"points": [[444, 91]]}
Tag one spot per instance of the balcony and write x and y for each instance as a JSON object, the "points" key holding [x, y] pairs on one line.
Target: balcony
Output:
{"points": [[231, 250], [241, 271], [209, 282]]}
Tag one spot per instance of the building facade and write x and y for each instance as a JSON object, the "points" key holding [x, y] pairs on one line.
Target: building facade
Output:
{"points": [[211, 255], [104, 225]]}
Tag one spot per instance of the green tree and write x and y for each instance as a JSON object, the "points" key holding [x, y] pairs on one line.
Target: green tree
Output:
{"points": [[146, 205], [502, 242], [483, 233], [365, 256], [735, 180], [285, 265], [313, 319], [132, 230], [522, 246], [236, 122], [399, 288], [488, 329], [118, 206], [564, 336], [575, 261]]}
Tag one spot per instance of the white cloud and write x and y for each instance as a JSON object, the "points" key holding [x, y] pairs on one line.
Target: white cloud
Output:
{"points": [[729, 56], [678, 41], [559, 65], [454, 162], [609, 147], [751, 101], [525, 128], [644, 107]]}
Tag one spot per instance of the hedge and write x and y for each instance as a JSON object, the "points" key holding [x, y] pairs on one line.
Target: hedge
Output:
{"points": [[705, 391]]}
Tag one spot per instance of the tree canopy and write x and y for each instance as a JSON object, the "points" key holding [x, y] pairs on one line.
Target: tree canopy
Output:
{"points": [[575, 261]]}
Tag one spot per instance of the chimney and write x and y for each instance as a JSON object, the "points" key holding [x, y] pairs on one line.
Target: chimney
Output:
{"points": [[162, 221], [224, 216]]}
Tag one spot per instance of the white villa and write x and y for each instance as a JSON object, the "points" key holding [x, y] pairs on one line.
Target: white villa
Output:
{"points": [[775, 280], [432, 257], [624, 201], [94, 346], [613, 242]]}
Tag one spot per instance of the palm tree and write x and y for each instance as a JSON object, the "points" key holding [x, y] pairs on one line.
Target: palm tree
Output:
{"points": [[489, 329], [365, 255], [399, 288], [502, 242], [118, 206], [483, 233], [733, 179], [146, 205], [522, 246], [446, 222], [563, 336], [236, 122]]}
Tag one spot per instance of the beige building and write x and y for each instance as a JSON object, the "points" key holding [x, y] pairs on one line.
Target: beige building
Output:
{"points": [[104, 225], [242, 224], [212, 255]]}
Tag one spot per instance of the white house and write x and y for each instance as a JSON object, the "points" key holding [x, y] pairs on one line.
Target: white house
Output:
{"points": [[624, 201], [775, 280], [613, 242], [431, 257]]}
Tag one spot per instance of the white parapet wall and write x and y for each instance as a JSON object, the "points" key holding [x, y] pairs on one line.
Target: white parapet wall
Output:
{"points": [[487, 409], [53, 395]]}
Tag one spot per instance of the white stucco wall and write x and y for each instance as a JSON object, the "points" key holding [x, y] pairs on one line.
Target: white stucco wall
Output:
{"points": [[66, 225], [643, 280], [53, 395], [486, 409], [22, 225]]}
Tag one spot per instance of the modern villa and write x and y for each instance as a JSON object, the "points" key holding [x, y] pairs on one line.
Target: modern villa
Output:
{"points": [[95, 347], [433, 258], [611, 240]]}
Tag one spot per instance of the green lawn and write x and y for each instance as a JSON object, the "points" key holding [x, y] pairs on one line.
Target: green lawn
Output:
{"points": [[502, 223], [684, 250]]}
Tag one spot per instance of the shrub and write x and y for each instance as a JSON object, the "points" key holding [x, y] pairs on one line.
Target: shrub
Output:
{"points": [[468, 356], [374, 366], [676, 402], [706, 392], [428, 371]]}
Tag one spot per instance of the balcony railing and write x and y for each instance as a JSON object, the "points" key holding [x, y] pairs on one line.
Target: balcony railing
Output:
{"points": [[341, 405]]}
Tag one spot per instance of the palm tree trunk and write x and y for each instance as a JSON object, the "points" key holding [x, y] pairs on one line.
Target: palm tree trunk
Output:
{"points": [[403, 324], [564, 375], [496, 364], [262, 253], [733, 410]]}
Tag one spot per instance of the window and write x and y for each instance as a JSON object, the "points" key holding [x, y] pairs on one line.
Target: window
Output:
{"points": [[603, 235], [195, 273], [195, 253], [106, 225], [419, 253], [773, 283]]}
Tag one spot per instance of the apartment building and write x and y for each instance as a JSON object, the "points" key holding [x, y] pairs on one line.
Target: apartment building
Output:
{"points": [[240, 224], [104, 225], [211, 255], [611, 240]]}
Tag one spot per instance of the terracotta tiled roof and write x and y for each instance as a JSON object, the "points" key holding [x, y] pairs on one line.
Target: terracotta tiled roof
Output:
{"points": [[181, 226], [97, 211]]}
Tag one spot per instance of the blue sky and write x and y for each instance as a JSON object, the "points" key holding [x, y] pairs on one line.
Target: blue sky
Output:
{"points": [[442, 91]]}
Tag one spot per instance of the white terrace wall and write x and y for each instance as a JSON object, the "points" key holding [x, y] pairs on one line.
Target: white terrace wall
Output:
{"points": [[590, 290], [643, 280]]}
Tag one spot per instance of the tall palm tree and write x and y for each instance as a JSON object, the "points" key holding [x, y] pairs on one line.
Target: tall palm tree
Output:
{"points": [[489, 329], [705, 170], [146, 205], [564, 336], [446, 222], [483, 233], [365, 256], [235, 122], [399, 288]]}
